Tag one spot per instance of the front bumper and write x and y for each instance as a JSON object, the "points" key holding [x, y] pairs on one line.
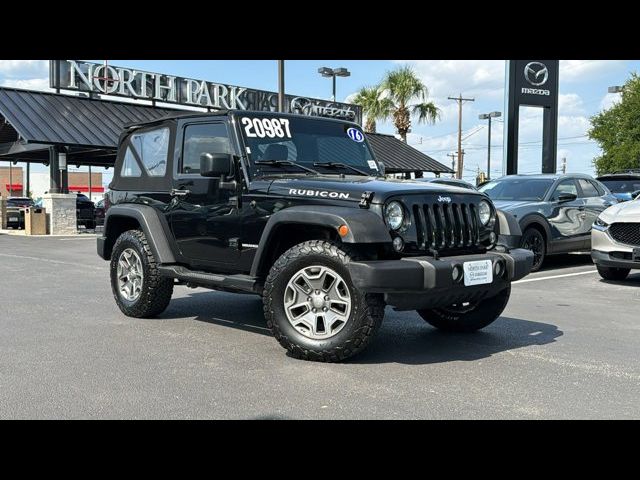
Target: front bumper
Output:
{"points": [[605, 251], [423, 282]]}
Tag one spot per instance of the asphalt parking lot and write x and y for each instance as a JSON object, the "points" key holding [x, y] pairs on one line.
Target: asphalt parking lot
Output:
{"points": [[566, 347]]}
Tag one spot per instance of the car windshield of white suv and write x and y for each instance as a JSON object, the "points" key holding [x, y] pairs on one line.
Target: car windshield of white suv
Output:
{"points": [[523, 190], [307, 144]]}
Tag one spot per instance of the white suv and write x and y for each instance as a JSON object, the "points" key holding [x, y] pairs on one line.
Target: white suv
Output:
{"points": [[615, 240]]}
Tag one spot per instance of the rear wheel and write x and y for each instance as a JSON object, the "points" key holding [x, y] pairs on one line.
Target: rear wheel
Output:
{"points": [[467, 317], [533, 240], [613, 273], [137, 286]]}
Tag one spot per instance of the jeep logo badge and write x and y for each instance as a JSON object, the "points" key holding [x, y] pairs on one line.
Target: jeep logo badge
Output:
{"points": [[442, 199]]}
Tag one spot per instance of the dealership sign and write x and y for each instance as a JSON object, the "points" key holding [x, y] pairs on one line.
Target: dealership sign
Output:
{"points": [[110, 80]]}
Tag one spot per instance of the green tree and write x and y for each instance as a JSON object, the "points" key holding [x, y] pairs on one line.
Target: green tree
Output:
{"points": [[617, 131], [373, 106], [408, 97]]}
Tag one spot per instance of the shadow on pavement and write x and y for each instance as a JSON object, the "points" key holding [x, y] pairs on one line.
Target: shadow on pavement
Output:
{"points": [[633, 280], [419, 343], [566, 261], [242, 312], [403, 337]]}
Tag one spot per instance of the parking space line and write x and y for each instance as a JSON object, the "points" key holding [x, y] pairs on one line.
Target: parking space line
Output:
{"points": [[554, 276], [48, 260]]}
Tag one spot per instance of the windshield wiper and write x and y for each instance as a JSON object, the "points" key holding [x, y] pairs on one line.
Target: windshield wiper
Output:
{"points": [[285, 163], [340, 165]]}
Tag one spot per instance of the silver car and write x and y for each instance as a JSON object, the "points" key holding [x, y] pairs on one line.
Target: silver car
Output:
{"points": [[615, 240]]}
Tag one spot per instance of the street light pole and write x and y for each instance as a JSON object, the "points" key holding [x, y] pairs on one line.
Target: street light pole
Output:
{"points": [[333, 73], [489, 116]]}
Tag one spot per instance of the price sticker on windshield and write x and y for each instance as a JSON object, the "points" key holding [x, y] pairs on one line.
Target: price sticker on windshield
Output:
{"points": [[266, 127]]}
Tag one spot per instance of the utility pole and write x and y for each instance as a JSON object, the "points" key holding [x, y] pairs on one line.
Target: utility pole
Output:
{"points": [[453, 163], [281, 86], [564, 165], [460, 101]]}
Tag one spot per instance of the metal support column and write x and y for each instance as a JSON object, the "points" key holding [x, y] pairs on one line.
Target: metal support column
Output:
{"points": [[54, 171]]}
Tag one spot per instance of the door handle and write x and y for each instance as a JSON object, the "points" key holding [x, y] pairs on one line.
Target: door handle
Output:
{"points": [[179, 192], [581, 209]]}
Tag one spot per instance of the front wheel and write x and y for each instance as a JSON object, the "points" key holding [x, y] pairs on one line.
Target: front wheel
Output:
{"points": [[533, 240], [467, 317], [613, 273], [312, 307], [137, 286]]}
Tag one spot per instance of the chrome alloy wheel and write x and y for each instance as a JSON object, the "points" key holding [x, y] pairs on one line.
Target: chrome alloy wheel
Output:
{"points": [[130, 275], [317, 302]]}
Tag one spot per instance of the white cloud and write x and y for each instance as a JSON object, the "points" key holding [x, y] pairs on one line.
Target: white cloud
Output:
{"points": [[570, 104], [29, 84], [446, 78], [609, 100], [23, 68], [586, 70]]}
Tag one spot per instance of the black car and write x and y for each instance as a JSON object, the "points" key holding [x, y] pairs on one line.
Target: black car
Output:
{"points": [[555, 212], [297, 209], [624, 185], [85, 212], [454, 182], [15, 211]]}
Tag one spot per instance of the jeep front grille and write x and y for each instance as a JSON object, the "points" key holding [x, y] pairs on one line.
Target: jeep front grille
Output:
{"points": [[627, 233], [446, 225]]}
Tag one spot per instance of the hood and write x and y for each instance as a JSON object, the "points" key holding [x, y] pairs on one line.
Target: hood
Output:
{"points": [[351, 187], [510, 205], [622, 212]]}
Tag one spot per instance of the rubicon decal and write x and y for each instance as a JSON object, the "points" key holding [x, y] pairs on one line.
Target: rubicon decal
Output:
{"points": [[318, 193]]}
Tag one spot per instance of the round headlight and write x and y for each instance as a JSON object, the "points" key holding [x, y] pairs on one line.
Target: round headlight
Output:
{"points": [[394, 215], [484, 210]]}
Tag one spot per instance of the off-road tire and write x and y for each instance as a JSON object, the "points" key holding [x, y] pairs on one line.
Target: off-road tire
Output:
{"points": [[367, 310], [613, 273], [156, 290], [484, 313], [534, 235]]}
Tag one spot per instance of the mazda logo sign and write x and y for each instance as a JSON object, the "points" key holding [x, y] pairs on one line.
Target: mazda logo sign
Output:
{"points": [[536, 73]]}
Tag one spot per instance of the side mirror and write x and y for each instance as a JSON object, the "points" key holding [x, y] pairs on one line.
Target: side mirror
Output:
{"points": [[567, 197], [635, 194], [215, 164]]}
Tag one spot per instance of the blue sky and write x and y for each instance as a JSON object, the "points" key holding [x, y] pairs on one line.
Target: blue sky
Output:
{"points": [[583, 92]]}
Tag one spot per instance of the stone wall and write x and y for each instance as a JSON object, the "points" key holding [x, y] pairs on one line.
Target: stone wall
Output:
{"points": [[61, 213]]}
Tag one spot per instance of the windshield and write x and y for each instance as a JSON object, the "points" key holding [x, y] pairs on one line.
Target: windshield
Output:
{"points": [[306, 141], [622, 186], [522, 189]]}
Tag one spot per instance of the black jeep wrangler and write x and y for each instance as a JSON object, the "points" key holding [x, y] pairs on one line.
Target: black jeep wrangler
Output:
{"points": [[296, 209]]}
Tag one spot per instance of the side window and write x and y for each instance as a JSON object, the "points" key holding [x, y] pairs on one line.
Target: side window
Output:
{"points": [[565, 186], [588, 189], [152, 148], [202, 138], [599, 188], [130, 167]]}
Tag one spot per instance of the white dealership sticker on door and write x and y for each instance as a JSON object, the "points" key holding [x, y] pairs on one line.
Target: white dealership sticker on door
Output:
{"points": [[478, 273]]}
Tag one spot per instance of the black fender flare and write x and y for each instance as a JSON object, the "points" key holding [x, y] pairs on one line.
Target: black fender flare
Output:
{"points": [[364, 226], [538, 219], [150, 223]]}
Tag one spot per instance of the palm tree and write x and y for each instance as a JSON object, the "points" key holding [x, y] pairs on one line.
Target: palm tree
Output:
{"points": [[373, 106], [408, 97]]}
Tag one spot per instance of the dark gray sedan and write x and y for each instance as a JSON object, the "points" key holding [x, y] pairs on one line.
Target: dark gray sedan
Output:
{"points": [[555, 212]]}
